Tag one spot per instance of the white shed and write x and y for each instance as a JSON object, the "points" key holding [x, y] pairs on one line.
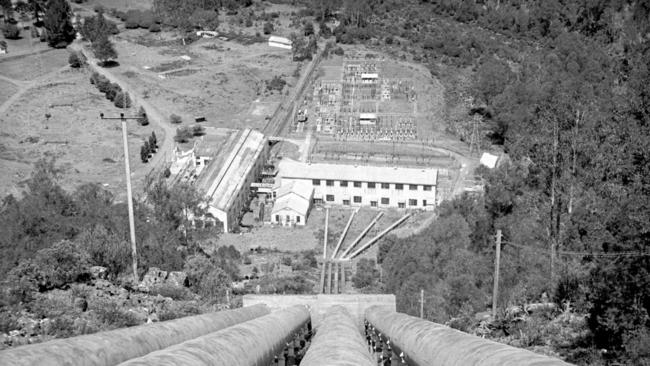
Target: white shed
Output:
{"points": [[292, 204], [280, 42]]}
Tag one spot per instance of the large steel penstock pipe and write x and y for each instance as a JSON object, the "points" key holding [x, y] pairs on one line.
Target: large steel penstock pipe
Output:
{"points": [[426, 343], [115, 346], [337, 342], [253, 343]]}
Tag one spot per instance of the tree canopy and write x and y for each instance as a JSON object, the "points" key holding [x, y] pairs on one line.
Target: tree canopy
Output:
{"points": [[58, 24]]}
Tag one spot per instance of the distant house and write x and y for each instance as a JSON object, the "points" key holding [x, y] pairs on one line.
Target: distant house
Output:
{"points": [[369, 78], [3, 47], [292, 203], [280, 42], [367, 118]]}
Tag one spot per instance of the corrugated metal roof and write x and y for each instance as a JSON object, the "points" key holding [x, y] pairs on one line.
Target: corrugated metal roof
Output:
{"points": [[363, 173], [210, 173], [230, 179]]}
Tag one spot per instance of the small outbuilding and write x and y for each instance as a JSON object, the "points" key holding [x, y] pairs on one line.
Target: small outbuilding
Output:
{"points": [[292, 204], [280, 42]]}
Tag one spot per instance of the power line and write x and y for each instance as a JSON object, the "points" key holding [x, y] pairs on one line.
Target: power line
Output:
{"points": [[582, 254]]}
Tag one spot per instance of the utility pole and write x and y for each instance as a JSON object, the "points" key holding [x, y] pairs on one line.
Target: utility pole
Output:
{"points": [[422, 303], [495, 290], [129, 195]]}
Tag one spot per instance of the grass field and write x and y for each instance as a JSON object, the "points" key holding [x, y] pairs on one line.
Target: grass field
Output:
{"points": [[61, 118], [223, 81], [33, 66], [7, 89]]}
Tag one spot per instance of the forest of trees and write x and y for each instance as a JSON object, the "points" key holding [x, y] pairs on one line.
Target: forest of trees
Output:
{"points": [[563, 88]]}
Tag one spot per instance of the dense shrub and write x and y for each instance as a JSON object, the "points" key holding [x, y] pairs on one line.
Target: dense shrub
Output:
{"points": [[143, 120], [183, 134], [174, 118], [113, 315], [57, 266], [133, 18], [154, 28], [74, 60], [11, 31], [174, 292], [268, 28], [277, 83], [122, 100]]}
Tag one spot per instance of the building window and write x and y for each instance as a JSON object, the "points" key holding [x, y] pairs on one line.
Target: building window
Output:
{"points": [[315, 182], [356, 199], [288, 218], [373, 203], [399, 186], [427, 188], [329, 198], [277, 218], [329, 183], [413, 187], [424, 203], [413, 202], [346, 202], [385, 186], [357, 184], [318, 201], [401, 205], [385, 201], [344, 183], [371, 185], [298, 219]]}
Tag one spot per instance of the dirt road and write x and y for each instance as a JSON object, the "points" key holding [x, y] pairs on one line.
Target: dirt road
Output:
{"points": [[166, 142]]}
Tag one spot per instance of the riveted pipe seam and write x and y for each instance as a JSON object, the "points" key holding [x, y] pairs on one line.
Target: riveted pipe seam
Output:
{"points": [[115, 346], [337, 342], [427, 343], [252, 343]]}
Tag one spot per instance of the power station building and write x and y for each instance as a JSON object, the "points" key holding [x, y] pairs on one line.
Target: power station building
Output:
{"points": [[227, 179], [355, 185]]}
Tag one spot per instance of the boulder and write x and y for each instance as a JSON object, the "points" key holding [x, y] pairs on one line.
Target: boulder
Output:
{"points": [[154, 276], [177, 278], [46, 326], [99, 272], [28, 326]]}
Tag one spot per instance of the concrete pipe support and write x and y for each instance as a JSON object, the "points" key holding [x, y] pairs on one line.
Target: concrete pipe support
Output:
{"points": [[337, 342], [427, 343], [115, 346], [253, 343]]}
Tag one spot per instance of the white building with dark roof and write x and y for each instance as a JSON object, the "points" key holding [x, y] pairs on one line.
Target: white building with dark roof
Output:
{"points": [[356, 185], [227, 180]]}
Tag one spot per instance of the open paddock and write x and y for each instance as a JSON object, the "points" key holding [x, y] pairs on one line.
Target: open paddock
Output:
{"points": [[61, 119], [223, 81], [35, 65], [7, 89]]}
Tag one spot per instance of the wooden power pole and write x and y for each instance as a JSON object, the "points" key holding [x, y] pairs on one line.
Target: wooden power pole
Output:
{"points": [[495, 291], [422, 303], [129, 194]]}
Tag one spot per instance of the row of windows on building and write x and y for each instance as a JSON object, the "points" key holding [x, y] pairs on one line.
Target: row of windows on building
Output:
{"points": [[412, 202], [371, 185], [288, 218]]}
